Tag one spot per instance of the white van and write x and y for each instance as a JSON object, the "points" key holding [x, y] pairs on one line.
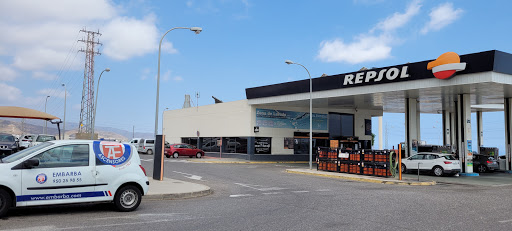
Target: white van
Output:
{"points": [[146, 146], [73, 171]]}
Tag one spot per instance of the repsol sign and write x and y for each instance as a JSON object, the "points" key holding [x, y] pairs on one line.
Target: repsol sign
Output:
{"points": [[376, 76]]}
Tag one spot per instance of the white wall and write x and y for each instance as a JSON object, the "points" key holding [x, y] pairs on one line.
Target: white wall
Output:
{"points": [[231, 119]]}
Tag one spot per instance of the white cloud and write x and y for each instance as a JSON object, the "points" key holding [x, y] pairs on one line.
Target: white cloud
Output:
{"points": [[178, 78], [368, 46], [9, 94], [126, 37], [398, 20], [43, 75], [166, 76], [442, 16], [7, 73], [60, 10], [365, 48], [145, 73]]}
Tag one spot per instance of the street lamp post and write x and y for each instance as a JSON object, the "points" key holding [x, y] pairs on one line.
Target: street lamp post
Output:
{"points": [[197, 30], [64, 122], [310, 114], [46, 121], [96, 103]]}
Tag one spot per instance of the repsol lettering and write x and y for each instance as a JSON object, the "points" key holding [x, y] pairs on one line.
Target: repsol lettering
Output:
{"points": [[373, 76]]}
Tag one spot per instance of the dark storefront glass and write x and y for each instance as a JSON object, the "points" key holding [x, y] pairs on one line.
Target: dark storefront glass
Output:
{"points": [[340, 125], [236, 145], [209, 144], [262, 145], [347, 125]]}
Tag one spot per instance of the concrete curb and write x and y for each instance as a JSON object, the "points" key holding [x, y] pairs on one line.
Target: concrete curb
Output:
{"points": [[354, 178], [175, 196], [248, 162]]}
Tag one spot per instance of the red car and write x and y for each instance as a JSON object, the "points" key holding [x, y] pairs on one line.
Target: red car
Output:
{"points": [[176, 150]]}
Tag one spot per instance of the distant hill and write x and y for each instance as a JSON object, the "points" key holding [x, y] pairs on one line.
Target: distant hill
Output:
{"points": [[13, 126]]}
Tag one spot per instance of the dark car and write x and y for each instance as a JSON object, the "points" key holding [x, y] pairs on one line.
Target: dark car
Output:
{"points": [[8, 144], [177, 150], [484, 163]]}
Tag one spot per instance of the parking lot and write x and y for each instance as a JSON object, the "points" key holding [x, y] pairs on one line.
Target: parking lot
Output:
{"points": [[493, 179]]}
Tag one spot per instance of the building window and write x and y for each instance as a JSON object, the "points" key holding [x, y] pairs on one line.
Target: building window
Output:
{"points": [[262, 145], [340, 125]]}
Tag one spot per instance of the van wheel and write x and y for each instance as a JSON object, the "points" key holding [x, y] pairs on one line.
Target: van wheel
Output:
{"points": [[175, 155], [5, 202], [198, 155], [127, 198], [150, 152]]}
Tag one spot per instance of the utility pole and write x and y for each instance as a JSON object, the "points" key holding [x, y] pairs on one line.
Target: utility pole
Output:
{"points": [[87, 109]]}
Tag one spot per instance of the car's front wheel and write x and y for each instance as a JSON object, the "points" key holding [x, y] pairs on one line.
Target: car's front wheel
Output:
{"points": [[127, 198], [150, 152], [198, 155], [168, 156], [175, 155], [5, 202], [404, 169], [438, 171]]}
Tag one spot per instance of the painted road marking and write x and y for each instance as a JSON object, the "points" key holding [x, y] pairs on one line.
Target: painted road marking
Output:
{"points": [[259, 187], [323, 190], [273, 193], [241, 195], [505, 221], [300, 191], [190, 176]]}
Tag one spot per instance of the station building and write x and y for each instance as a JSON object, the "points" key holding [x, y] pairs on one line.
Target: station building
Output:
{"points": [[272, 123]]}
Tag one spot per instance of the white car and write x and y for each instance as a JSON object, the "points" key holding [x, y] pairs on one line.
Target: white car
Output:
{"points": [[37, 139], [25, 140], [437, 163], [73, 171]]}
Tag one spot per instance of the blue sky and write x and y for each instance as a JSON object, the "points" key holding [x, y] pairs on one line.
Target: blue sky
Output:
{"points": [[243, 44]]}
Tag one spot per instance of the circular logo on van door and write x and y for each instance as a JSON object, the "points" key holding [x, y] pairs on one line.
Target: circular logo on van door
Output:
{"points": [[112, 153], [41, 178]]}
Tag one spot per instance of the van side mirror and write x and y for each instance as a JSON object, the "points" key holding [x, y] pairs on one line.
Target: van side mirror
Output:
{"points": [[31, 163]]}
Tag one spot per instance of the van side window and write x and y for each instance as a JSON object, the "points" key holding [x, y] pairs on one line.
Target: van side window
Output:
{"points": [[64, 156], [150, 141]]}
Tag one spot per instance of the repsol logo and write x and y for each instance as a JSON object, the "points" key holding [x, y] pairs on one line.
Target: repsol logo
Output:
{"points": [[374, 76]]}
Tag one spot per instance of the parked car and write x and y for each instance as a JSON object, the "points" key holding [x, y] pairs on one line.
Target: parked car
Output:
{"points": [[436, 163], [25, 140], [135, 142], [177, 150], [484, 163], [8, 144], [59, 172], [146, 146], [41, 138]]}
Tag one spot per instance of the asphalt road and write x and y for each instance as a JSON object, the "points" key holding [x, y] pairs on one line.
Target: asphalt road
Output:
{"points": [[264, 197]]}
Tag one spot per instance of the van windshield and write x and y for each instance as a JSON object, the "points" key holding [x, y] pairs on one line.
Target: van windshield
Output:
{"points": [[24, 152], [45, 138]]}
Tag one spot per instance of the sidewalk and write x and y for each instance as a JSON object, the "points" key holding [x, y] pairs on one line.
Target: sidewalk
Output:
{"points": [[362, 178], [170, 189]]}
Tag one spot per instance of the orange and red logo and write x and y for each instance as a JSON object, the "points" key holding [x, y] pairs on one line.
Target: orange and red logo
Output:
{"points": [[446, 65]]}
